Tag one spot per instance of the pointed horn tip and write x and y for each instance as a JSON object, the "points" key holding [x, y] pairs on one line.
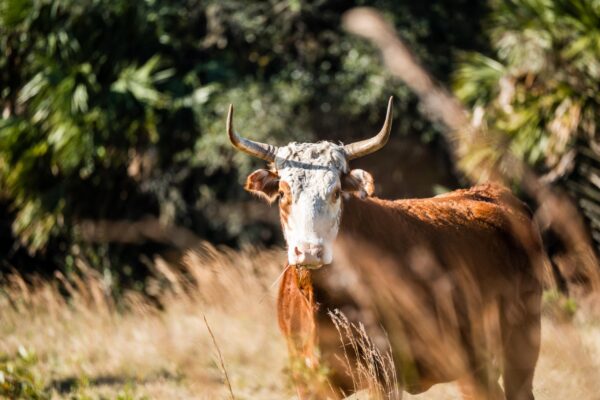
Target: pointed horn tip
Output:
{"points": [[390, 103], [368, 146], [388, 118], [229, 121]]}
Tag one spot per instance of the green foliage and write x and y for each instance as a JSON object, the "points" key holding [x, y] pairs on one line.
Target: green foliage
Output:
{"points": [[558, 306], [18, 379], [540, 88], [83, 391], [114, 110]]}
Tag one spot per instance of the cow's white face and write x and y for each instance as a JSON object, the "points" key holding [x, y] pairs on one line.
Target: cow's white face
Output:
{"points": [[309, 180]]}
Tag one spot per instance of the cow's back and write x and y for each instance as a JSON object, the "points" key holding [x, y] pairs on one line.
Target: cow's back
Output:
{"points": [[485, 229]]}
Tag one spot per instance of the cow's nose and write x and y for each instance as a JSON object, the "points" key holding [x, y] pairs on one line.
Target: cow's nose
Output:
{"points": [[309, 254]]}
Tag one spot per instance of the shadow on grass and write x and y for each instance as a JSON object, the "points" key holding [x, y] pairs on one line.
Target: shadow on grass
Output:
{"points": [[72, 383]]}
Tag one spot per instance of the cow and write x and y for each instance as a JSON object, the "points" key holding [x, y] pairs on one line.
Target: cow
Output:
{"points": [[460, 273]]}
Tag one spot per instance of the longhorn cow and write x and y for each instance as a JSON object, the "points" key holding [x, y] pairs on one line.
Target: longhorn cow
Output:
{"points": [[455, 257]]}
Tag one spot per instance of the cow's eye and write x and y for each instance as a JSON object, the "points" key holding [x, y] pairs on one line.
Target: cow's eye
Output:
{"points": [[336, 194], [281, 195]]}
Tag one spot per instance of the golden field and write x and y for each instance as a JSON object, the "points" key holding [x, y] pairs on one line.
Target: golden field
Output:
{"points": [[68, 339]]}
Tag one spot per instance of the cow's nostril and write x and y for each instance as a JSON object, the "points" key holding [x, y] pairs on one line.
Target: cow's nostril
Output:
{"points": [[297, 251], [320, 253]]}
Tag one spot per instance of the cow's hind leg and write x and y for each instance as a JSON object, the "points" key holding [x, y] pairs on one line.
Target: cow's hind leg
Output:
{"points": [[478, 388], [521, 327]]}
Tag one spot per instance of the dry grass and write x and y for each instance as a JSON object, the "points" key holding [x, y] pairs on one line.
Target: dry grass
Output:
{"points": [[373, 369], [89, 345], [162, 353]]}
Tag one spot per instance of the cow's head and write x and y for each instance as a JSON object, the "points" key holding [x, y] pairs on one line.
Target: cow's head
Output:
{"points": [[309, 181]]}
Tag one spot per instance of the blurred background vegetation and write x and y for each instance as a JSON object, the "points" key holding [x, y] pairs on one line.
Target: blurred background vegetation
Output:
{"points": [[112, 140]]}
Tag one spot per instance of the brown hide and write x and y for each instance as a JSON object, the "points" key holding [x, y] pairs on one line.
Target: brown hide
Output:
{"points": [[454, 280]]}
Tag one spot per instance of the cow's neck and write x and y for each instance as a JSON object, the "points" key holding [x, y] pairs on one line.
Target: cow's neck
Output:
{"points": [[364, 217], [374, 221]]}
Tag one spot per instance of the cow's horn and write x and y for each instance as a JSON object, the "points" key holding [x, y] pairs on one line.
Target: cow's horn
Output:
{"points": [[261, 150], [368, 146]]}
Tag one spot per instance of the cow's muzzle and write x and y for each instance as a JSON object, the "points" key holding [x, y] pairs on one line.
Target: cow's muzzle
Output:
{"points": [[308, 255]]}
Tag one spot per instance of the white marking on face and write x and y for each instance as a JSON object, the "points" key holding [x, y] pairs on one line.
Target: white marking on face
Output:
{"points": [[312, 173]]}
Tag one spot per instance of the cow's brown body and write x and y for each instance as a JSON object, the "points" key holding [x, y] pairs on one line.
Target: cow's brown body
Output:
{"points": [[454, 280]]}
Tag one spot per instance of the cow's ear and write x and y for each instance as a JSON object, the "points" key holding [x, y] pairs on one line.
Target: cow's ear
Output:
{"points": [[264, 184], [359, 182]]}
